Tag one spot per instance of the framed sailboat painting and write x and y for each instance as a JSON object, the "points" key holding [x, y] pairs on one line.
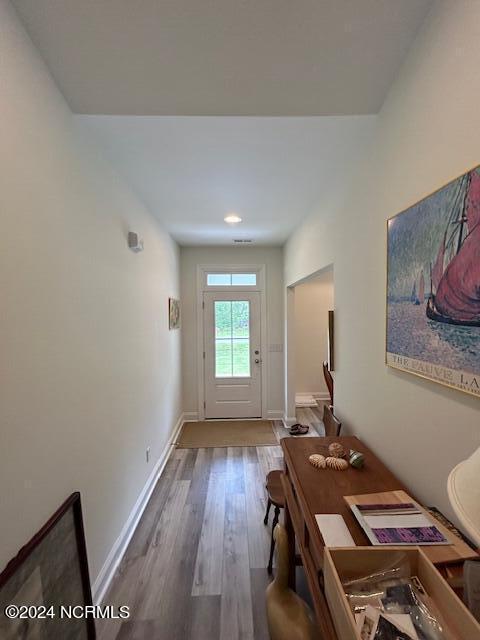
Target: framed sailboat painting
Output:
{"points": [[433, 286]]}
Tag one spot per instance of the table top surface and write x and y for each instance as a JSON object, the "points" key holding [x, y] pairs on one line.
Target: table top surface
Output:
{"points": [[322, 490]]}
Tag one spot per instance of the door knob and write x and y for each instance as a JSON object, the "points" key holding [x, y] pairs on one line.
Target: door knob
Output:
{"points": [[257, 361]]}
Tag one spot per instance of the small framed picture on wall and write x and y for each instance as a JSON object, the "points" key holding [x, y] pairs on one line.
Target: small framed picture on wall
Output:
{"points": [[173, 313]]}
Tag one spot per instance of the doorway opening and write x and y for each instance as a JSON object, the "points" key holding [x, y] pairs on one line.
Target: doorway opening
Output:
{"points": [[310, 305], [232, 330], [233, 383]]}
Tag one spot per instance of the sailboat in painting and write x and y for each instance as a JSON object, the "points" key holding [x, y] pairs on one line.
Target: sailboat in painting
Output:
{"points": [[413, 297], [455, 276], [421, 290]]}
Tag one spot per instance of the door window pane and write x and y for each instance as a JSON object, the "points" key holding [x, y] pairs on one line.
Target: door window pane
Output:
{"points": [[231, 279], [232, 338], [240, 319], [245, 279], [223, 359], [219, 279], [241, 357], [223, 319]]}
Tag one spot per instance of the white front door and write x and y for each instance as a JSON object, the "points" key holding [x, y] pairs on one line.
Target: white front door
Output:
{"points": [[233, 380]]}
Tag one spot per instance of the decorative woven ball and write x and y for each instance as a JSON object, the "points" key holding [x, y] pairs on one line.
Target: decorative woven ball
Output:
{"points": [[339, 464], [317, 460], [356, 459], [336, 450]]}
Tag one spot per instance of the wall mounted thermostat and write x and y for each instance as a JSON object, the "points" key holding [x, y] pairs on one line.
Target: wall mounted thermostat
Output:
{"points": [[135, 243]]}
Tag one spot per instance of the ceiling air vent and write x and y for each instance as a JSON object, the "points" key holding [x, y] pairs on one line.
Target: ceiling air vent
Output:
{"points": [[242, 240]]}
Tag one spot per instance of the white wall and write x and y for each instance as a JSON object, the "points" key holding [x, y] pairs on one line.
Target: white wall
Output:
{"points": [[90, 374], [313, 300], [272, 257], [427, 133]]}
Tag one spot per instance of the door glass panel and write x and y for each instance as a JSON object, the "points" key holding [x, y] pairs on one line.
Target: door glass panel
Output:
{"points": [[223, 319], [241, 357], [223, 358], [240, 319], [244, 279], [231, 279], [232, 338], [219, 279]]}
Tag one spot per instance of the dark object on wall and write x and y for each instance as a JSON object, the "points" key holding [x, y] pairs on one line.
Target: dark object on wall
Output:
{"points": [[50, 571], [135, 243], [173, 313], [331, 363], [328, 380]]}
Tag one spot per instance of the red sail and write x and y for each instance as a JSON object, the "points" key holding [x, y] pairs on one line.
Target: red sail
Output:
{"points": [[437, 271], [472, 205], [458, 293]]}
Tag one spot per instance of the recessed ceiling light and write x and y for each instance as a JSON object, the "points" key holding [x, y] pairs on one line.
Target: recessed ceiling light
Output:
{"points": [[232, 218]]}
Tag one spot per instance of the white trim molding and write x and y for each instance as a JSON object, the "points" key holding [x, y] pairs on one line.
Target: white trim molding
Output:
{"points": [[275, 414], [317, 395], [321, 395], [190, 416], [105, 576], [288, 421]]}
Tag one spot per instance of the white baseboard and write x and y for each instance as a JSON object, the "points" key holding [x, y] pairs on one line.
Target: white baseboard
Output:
{"points": [[190, 416], [318, 395], [275, 415], [105, 576], [288, 421], [321, 395]]}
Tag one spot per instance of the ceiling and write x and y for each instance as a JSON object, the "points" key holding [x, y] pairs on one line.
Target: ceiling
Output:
{"points": [[223, 57], [164, 87], [192, 171]]}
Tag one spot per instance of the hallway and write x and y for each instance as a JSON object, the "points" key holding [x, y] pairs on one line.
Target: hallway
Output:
{"points": [[203, 202], [196, 566], [195, 569]]}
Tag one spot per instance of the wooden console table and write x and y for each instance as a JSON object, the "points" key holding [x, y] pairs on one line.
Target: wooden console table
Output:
{"points": [[309, 491]]}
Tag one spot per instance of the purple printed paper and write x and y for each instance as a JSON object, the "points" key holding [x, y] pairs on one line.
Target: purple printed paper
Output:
{"points": [[417, 535]]}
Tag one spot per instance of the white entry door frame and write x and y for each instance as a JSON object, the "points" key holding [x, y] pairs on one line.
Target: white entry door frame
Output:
{"points": [[204, 287], [233, 354]]}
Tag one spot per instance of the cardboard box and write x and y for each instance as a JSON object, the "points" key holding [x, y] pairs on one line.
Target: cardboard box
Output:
{"points": [[348, 563]]}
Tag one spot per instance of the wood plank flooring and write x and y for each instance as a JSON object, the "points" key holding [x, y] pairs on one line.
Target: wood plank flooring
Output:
{"points": [[196, 565]]}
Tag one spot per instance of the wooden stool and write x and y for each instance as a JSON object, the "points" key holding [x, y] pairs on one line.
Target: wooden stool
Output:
{"points": [[277, 498]]}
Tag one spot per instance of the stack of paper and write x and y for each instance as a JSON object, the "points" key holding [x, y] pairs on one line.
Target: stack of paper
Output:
{"points": [[399, 523], [334, 531]]}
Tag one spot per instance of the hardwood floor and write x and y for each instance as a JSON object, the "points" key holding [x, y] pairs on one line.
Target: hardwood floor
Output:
{"points": [[196, 565]]}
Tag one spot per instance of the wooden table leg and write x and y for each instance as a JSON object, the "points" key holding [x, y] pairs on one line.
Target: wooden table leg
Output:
{"points": [[291, 548]]}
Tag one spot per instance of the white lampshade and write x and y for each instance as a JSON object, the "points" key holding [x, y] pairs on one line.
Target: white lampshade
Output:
{"points": [[464, 493]]}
